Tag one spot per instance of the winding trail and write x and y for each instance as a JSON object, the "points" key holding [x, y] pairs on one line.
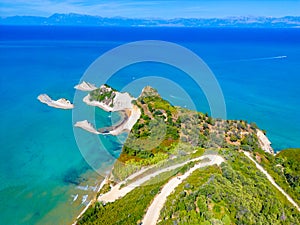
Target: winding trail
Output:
{"points": [[116, 193], [154, 209], [272, 181]]}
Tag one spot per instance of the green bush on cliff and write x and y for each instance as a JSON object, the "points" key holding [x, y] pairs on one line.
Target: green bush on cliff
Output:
{"points": [[99, 95]]}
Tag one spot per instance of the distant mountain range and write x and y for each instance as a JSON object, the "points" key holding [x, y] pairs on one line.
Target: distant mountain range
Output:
{"points": [[87, 20]]}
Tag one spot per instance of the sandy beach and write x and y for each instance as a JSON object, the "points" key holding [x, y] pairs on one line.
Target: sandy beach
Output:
{"points": [[130, 119], [61, 103], [122, 102], [86, 126], [91, 201]]}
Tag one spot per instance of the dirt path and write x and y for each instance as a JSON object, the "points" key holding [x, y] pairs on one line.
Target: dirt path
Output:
{"points": [[272, 181], [153, 211], [116, 192]]}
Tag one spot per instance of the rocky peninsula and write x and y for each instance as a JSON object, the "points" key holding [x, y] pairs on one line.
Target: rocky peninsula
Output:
{"points": [[111, 100], [85, 86], [182, 166], [61, 103]]}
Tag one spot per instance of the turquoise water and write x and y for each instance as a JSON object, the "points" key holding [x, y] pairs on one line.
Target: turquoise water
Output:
{"points": [[41, 165]]}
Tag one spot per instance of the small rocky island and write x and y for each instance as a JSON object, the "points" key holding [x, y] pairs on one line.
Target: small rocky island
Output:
{"points": [[111, 100], [61, 103], [105, 98]]}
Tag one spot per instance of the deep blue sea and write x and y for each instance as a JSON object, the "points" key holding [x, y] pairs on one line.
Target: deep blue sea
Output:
{"points": [[41, 167]]}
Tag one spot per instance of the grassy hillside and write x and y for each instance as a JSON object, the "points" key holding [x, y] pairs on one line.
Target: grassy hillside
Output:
{"points": [[284, 168], [289, 159], [234, 193], [130, 209], [163, 127]]}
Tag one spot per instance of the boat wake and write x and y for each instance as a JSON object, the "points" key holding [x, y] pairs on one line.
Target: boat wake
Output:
{"points": [[265, 58], [74, 197], [255, 59], [176, 97]]}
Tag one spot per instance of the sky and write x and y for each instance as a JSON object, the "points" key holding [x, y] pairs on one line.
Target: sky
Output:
{"points": [[152, 8]]}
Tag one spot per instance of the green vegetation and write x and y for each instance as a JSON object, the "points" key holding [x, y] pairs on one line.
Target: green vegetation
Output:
{"points": [[290, 160], [160, 160], [154, 135], [122, 170], [233, 138], [162, 127], [170, 162], [103, 94], [284, 168], [106, 187], [235, 194], [130, 209], [127, 210]]}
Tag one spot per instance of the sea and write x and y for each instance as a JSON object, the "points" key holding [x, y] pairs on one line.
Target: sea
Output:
{"points": [[45, 175]]}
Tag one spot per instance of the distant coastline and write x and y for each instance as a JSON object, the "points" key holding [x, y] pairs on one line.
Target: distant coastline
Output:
{"points": [[73, 19]]}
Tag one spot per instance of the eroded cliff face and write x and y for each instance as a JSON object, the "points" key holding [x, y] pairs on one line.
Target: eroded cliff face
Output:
{"points": [[264, 142]]}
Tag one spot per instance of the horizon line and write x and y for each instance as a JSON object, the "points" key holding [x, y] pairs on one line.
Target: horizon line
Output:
{"points": [[155, 18]]}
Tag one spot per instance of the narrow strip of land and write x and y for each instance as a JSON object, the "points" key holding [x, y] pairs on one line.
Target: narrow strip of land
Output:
{"points": [[116, 193], [272, 181], [153, 211], [61, 103]]}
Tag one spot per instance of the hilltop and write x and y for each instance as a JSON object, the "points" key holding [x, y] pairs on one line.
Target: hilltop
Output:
{"points": [[179, 166], [162, 127]]}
